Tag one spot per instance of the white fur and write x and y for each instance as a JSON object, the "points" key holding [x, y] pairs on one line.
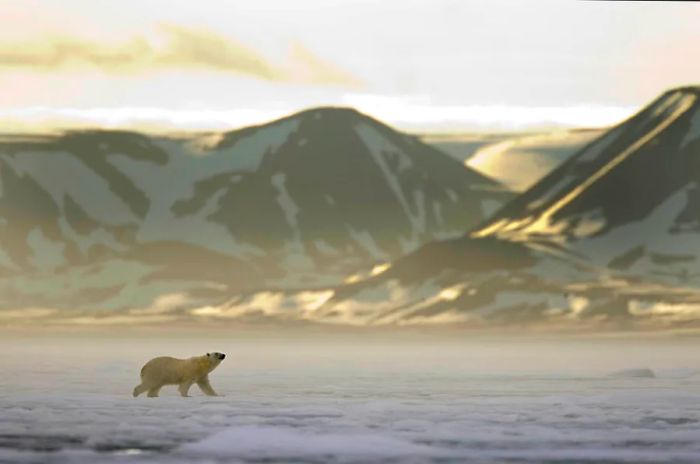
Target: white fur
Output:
{"points": [[165, 370]]}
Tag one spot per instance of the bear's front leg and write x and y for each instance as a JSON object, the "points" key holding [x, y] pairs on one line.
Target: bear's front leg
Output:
{"points": [[204, 385], [184, 388]]}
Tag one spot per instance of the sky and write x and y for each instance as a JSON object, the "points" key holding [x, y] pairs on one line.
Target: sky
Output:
{"points": [[421, 65]]}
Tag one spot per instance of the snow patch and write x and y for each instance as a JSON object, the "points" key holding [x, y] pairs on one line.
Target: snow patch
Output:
{"points": [[293, 305], [391, 302], [325, 248], [366, 241], [88, 189], [248, 152], [437, 213], [47, 254], [452, 195], [668, 312], [84, 242], [490, 206], [189, 168], [650, 232], [267, 442], [295, 257], [589, 223], [380, 269], [378, 147], [289, 207], [6, 261]]}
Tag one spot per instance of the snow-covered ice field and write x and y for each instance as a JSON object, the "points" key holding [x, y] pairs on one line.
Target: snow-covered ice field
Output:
{"points": [[70, 401]]}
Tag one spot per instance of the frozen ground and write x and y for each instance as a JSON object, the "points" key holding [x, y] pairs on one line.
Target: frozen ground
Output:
{"points": [[69, 401]]}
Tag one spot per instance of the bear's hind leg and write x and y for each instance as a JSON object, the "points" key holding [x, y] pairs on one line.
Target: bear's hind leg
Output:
{"points": [[139, 389], [184, 388], [153, 391]]}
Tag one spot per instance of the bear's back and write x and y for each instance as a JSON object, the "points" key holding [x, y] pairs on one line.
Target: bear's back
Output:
{"points": [[161, 362]]}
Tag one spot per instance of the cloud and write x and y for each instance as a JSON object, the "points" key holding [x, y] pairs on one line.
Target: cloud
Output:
{"points": [[304, 66], [201, 49], [182, 48], [68, 52], [26, 313], [163, 304]]}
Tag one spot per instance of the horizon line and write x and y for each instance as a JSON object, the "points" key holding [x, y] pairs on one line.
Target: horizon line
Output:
{"points": [[408, 117]]}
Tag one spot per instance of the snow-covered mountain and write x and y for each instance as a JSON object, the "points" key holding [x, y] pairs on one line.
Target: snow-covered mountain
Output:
{"points": [[521, 161], [630, 200], [611, 237], [111, 220]]}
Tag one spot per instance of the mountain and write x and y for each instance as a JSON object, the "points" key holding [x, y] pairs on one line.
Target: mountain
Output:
{"points": [[519, 162], [464, 146], [610, 238], [110, 219], [630, 200]]}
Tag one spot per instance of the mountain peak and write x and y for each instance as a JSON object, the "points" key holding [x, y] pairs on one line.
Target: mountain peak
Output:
{"points": [[333, 115], [330, 110], [685, 88], [325, 118]]}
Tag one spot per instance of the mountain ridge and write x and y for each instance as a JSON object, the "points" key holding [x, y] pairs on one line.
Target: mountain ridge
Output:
{"points": [[309, 197], [609, 239]]}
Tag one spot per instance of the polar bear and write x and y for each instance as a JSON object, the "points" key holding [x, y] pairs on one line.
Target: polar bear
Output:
{"points": [[165, 370]]}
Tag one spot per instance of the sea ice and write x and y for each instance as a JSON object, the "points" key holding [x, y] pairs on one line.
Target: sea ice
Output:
{"points": [[322, 407]]}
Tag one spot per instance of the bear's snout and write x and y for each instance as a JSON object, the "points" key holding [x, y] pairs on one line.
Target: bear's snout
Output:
{"points": [[220, 355]]}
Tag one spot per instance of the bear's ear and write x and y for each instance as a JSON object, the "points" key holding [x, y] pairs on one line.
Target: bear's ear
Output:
{"points": [[208, 354]]}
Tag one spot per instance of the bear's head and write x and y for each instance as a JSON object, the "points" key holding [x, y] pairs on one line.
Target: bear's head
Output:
{"points": [[215, 359]]}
